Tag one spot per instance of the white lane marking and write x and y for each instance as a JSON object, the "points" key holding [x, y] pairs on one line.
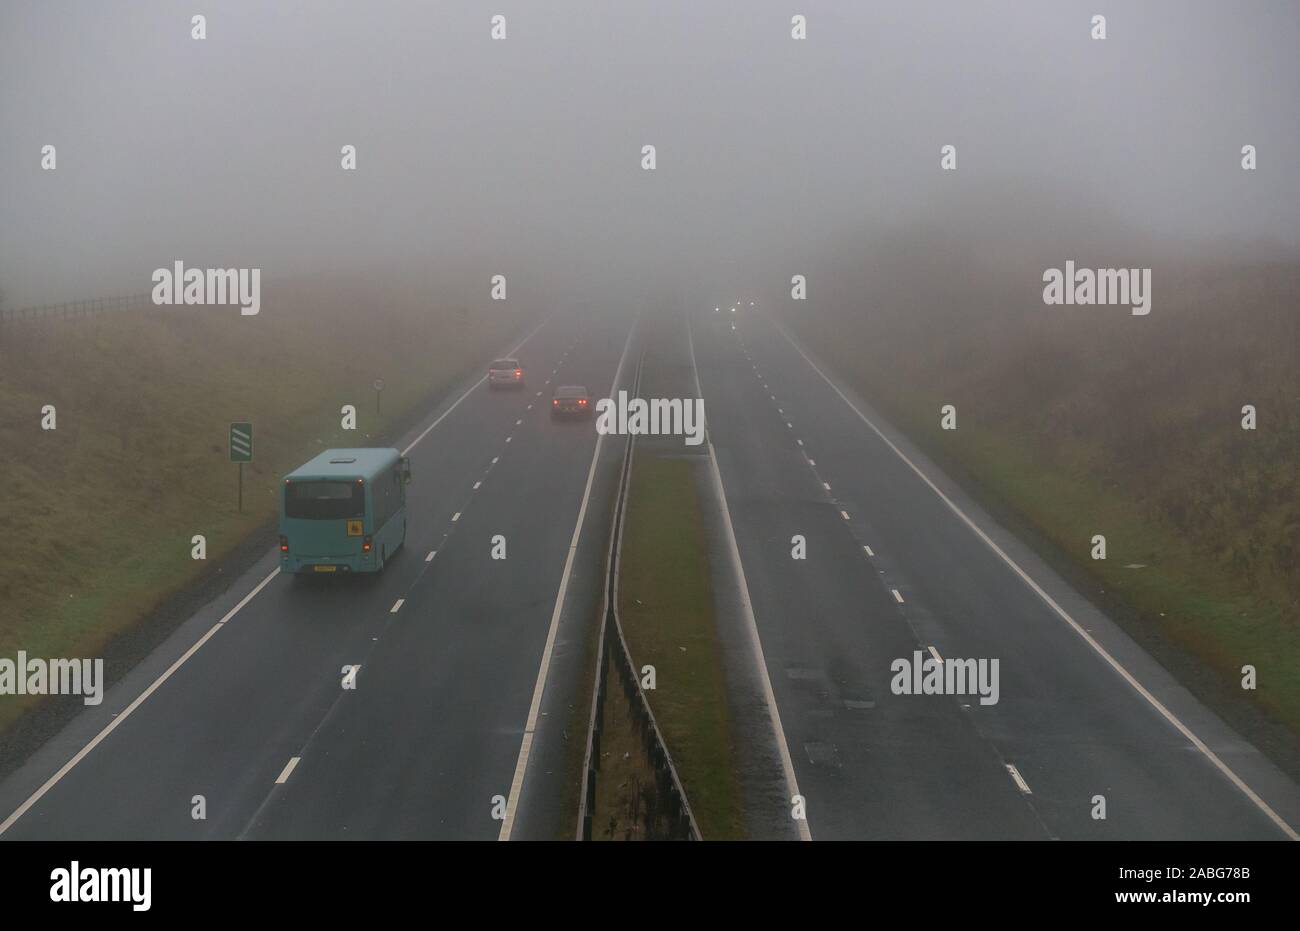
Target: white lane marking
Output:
{"points": [[812, 462], [530, 407], [1020, 780], [790, 425], [126, 713], [539, 394], [469, 391], [826, 485], [397, 606], [897, 597], [432, 553], [800, 442], [781, 412], [747, 606], [844, 514], [288, 768], [534, 709], [935, 654], [868, 549], [494, 459], [1061, 612], [519, 421], [476, 486], [455, 517], [509, 438]]}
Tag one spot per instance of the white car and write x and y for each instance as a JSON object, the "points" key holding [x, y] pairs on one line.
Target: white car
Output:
{"points": [[505, 373]]}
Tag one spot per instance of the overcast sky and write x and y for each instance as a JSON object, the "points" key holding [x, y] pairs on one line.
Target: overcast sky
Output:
{"points": [[525, 153]]}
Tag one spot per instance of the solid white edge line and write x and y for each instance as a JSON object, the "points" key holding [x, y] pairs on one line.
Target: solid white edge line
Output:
{"points": [[897, 597], [140, 699], [747, 607], [288, 768], [397, 606], [526, 743], [935, 653], [1060, 612], [249, 597]]}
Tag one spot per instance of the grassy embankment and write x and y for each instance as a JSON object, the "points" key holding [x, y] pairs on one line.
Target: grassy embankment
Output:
{"points": [[1086, 420], [666, 604], [99, 512]]}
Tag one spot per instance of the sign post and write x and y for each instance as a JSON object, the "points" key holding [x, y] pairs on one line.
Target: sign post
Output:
{"points": [[379, 390], [241, 451]]}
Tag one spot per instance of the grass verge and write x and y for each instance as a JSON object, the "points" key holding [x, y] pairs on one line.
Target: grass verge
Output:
{"points": [[666, 606]]}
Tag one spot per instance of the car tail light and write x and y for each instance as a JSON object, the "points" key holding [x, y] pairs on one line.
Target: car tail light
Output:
{"points": [[582, 400], [284, 543], [519, 373], [366, 543], [555, 402]]}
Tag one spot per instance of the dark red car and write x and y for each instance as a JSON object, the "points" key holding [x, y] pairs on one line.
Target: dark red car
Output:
{"points": [[571, 401]]}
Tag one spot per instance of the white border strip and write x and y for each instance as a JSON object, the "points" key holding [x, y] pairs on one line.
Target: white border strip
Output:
{"points": [[1061, 612]]}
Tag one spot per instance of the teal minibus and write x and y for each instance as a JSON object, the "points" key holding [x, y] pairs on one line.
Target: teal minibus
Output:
{"points": [[344, 511]]}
